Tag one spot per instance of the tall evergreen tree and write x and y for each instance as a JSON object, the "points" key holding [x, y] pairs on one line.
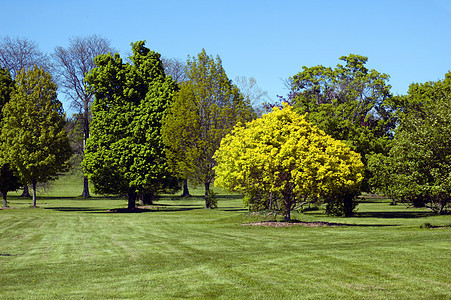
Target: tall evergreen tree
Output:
{"points": [[125, 153]]}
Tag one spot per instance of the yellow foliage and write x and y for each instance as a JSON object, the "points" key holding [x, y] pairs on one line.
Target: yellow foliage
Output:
{"points": [[282, 153]]}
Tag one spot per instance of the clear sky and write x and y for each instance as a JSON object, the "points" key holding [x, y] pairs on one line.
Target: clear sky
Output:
{"points": [[268, 40]]}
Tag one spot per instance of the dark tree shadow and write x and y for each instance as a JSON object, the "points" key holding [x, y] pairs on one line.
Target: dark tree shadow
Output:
{"points": [[69, 208], [142, 210], [233, 209], [394, 214]]}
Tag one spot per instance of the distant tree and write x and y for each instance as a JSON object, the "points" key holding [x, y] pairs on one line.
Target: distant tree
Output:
{"points": [[71, 65], [33, 128], [205, 109], [349, 102], [253, 93], [19, 53], [418, 167], [283, 156], [9, 180], [124, 153], [176, 68]]}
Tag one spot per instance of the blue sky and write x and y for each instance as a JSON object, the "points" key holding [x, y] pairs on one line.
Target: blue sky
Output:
{"points": [[268, 40]]}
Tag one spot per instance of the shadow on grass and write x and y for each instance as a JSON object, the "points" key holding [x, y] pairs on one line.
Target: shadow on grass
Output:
{"points": [[122, 210], [234, 209], [394, 214], [69, 208], [275, 223], [143, 210]]}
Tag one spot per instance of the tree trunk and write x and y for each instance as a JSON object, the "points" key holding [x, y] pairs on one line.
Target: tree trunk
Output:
{"points": [[131, 199], [34, 193], [207, 188], [287, 201], [5, 203], [145, 198], [85, 193], [26, 192], [185, 189], [270, 200], [348, 205], [287, 212]]}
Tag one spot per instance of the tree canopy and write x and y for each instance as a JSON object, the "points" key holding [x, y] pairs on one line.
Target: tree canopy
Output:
{"points": [[349, 102], [33, 135], [282, 155], [21, 53], [205, 109], [125, 153], [418, 167], [9, 179]]}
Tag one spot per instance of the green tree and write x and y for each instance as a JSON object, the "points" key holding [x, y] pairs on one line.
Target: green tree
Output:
{"points": [[418, 167], [205, 109], [33, 133], [9, 181], [349, 102], [282, 155], [125, 153]]}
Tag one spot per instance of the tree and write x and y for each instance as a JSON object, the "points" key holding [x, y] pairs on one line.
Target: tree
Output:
{"points": [[418, 167], [9, 181], [252, 93], [33, 133], [71, 65], [176, 68], [205, 109], [19, 53], [282, 155], [349, 102], [124, 153]]}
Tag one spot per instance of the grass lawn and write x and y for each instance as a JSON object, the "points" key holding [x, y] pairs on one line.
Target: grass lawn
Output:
{"points": [[74, 248]]}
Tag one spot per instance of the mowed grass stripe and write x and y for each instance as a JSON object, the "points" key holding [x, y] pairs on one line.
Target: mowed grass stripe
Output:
{"points": [[73, 248]]}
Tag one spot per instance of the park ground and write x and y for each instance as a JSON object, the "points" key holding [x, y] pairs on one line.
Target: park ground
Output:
{"points": [[70, 247]]}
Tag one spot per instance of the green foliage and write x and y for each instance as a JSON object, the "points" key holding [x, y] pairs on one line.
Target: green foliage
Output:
{"points": [[205, 109], [33, 136], [281, 157], [6, 87], [418, 166], [349, 102], [125, 153], [9, 180]]}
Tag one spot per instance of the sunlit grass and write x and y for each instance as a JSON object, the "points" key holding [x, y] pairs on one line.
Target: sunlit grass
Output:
{"points": [[74, 248]]}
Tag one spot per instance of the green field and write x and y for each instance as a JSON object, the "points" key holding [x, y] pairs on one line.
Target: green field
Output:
{"points": [[75, 248]]}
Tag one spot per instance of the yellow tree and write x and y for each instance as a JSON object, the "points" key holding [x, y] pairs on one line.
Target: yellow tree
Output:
{"points": [[282, 154]]}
